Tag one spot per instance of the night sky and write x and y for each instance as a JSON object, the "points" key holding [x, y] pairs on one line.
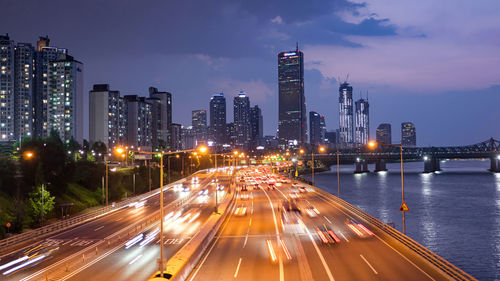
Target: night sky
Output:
{"points": [[434, 63]]}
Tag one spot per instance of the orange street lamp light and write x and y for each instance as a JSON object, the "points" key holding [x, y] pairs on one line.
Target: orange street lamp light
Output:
{"points": [[28, 154], [203, 149]]}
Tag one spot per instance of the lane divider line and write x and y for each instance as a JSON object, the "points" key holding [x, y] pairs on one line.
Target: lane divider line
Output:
{"points": [[373, 269], [237, 269]]}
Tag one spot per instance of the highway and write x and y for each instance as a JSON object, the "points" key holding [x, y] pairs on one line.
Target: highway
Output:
{"points": [[139, 263], [68, 251], [258, 246]]}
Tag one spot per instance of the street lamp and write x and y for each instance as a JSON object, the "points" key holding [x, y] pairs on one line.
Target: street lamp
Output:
{"points": [[373, 145]]}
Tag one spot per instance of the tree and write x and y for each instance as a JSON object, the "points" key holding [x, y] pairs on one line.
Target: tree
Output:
{"points": [[40, 202]]}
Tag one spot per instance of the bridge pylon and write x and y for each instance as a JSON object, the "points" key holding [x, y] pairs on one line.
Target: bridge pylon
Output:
{"points": [[495, 164], [380, 165], [361, 167], [431, 164]]}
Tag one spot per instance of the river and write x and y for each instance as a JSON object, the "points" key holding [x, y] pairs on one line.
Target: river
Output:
{"points": [[455, 212]]}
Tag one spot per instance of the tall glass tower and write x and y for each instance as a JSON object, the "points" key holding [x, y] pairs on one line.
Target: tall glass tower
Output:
{"points": [[362, 128], [292, 119], [346, 121], [218, 118]]}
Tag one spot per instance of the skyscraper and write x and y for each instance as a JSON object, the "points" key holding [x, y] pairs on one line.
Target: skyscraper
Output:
{"points": [[256, 123], [24, 57], [362, 128], [292, 119], [316, 134], [218, 118], [199, 123], [7, 95], [408, 134], [104, 116], [241, 110], [163, 118], [65, 103], [346, 127], [384, 134]]}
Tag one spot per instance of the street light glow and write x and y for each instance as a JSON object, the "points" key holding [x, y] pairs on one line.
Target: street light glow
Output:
{"points": [[301, 151], [119, 150], [322, 149], [372, 144], [28, 154], [203, 149]]}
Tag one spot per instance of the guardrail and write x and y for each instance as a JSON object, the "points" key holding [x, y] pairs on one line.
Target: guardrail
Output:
{"points": [[441, 263], [75, 221]]}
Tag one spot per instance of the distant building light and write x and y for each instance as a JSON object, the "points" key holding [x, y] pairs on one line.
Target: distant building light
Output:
{"points": [[290, 54], [259, 148], [210, 143]]}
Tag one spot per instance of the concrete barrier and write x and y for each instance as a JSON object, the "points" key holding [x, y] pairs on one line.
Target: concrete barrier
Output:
{"points": [[182, 263]]}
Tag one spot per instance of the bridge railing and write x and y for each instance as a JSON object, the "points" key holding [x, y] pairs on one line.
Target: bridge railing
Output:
{"points": [[441, 263], [74, 221]]}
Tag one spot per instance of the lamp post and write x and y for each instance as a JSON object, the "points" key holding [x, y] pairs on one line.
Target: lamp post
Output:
{"points": [[373, 145], [161, 260], [321, 149], [338, 170]]}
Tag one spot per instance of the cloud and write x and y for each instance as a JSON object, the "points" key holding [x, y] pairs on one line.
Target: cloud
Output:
{"points": [[277, 20], [431, 48]]}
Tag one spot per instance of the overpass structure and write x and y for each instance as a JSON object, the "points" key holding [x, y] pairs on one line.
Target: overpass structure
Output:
{"points": [[362, 156]]}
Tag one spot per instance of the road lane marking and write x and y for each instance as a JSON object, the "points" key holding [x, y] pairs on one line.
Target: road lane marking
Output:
{"points": [[246, 239], [250, 223], [237, 269], [373, 269], [327, 200], [282, 270], [100, 227], [213, 245], [347, 240], [135, 259], [327, 219], [325, 265], [71, 240], [119, 219]]}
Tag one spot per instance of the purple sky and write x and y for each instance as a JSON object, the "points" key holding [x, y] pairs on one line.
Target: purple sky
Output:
{"points": [[435, 63]]}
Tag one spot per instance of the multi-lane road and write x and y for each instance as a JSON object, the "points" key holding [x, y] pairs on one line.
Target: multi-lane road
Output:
{"points": [[100, 249], [259, 245]]}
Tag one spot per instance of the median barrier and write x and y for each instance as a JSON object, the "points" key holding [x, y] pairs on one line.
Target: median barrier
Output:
{"points": [[180, 265], [449, 269]]}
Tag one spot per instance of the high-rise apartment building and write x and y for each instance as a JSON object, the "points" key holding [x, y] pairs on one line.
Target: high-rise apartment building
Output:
{"points": [[362, 128], [408, 134], [317, 128], [346, 120], [139, 121], [44, 86], [257, 126], [218, 118], [104, 116], [162, 118], [188, 139], [176, 136], [24, 57], [384, 134], [7, 94], [199, 123], [65, 102], [292, 119], [241, 110]]}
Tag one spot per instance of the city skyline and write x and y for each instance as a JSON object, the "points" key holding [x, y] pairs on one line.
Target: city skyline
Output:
{"points": [[353, 47]]}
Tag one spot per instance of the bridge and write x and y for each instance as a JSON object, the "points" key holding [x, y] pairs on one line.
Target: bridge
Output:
{"points": [[362, 156]]}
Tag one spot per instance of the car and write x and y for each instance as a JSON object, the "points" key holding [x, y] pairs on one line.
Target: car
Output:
{"points": [[240, 211], [244, 196], [302, 189], [312, 212]]}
